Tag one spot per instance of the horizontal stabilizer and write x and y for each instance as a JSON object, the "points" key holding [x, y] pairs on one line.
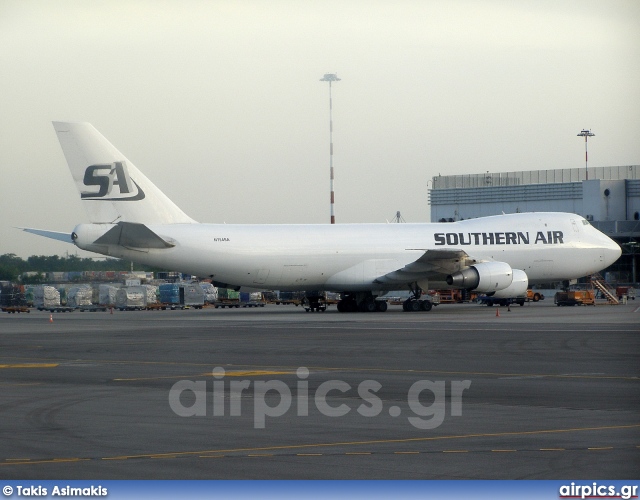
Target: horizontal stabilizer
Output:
{"points": [[133, 235], [54, 235]]}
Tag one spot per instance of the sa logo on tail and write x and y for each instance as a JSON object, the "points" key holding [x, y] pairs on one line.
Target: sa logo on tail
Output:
{"points": [[105, 177]]}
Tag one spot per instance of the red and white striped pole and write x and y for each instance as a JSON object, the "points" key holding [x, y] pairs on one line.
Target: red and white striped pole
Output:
{"points": [[331, 77], [586, 134]]}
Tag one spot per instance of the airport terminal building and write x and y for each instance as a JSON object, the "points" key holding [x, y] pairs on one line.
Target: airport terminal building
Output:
{"points": [[610, 200]]}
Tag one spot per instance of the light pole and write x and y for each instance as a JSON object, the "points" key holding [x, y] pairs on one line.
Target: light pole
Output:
{"points": [[331, 77], [586, 134]]}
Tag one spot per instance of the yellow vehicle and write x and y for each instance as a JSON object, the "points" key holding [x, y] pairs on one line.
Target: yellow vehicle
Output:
{"points": [[534, 296], [575, 297]]}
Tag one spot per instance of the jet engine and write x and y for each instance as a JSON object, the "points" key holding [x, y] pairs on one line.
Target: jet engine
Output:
{"points": [[485, 277], [517, 288]]}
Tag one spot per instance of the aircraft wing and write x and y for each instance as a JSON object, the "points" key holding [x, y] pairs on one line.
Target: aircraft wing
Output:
{"points": [[431, 264]]}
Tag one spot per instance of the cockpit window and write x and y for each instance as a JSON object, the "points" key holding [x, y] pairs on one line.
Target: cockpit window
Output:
{"points": [[585, 222]]}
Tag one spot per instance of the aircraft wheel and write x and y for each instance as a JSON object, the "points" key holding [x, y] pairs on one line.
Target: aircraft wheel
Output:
{"points": [[381, 306], [367, 306], [426, 305], [415, 306]]}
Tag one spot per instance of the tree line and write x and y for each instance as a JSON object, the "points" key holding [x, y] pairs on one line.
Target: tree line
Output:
{"points": [[12, 266]]}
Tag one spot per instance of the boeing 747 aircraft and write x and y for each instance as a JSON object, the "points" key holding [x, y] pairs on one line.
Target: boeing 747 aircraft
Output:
{"points": [[130, 218]]}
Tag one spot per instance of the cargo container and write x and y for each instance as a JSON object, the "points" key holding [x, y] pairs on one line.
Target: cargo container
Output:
{"points": [[210, 292], [152, 294], [169, 293], [169, 276], [28, 295], [12, 297], [79, 296], [45, 296], [254, 299], [192, 294], [107, 295], [182, 295], [227, 298], [132, 298]]}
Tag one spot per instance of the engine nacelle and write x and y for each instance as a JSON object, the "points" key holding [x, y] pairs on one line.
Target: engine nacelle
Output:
{"points": [[517, 288], [485, 277]]}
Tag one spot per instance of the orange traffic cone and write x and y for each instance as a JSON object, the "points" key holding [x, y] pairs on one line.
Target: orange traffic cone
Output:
{"points": [[498, 312], [50, 318]]}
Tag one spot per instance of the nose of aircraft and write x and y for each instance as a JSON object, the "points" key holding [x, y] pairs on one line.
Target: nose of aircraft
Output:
{"points": [[612, 252]]}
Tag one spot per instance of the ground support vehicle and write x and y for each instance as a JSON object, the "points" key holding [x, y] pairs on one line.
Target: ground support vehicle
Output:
{"points": [[629, 291], [575, 298]]}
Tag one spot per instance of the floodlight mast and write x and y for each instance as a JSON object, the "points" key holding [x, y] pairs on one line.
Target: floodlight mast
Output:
{"points": [[331, 77], [586, 134]]}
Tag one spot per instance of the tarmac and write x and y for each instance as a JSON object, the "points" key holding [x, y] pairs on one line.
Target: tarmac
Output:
{"points": [[539, 392]]}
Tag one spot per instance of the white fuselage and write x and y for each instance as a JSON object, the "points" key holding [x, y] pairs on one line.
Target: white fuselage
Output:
{"points": [[350, 257]]}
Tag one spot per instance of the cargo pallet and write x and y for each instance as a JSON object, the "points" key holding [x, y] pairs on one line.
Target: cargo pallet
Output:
{"points": [[57, 309], [252, 304], [230, 303], [92, 308], [286, 302], [16, 309], [159, 307]]}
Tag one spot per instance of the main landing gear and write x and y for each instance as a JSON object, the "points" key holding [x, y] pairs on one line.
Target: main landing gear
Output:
{"points": [[316, 303], [361, 302], [415, 303]]}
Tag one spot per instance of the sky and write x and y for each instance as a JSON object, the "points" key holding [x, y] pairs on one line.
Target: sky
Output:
{"points": [[219, 103]]}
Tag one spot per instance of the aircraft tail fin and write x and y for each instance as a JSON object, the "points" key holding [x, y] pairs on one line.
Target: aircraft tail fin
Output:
{"points": [[111, 187]]}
